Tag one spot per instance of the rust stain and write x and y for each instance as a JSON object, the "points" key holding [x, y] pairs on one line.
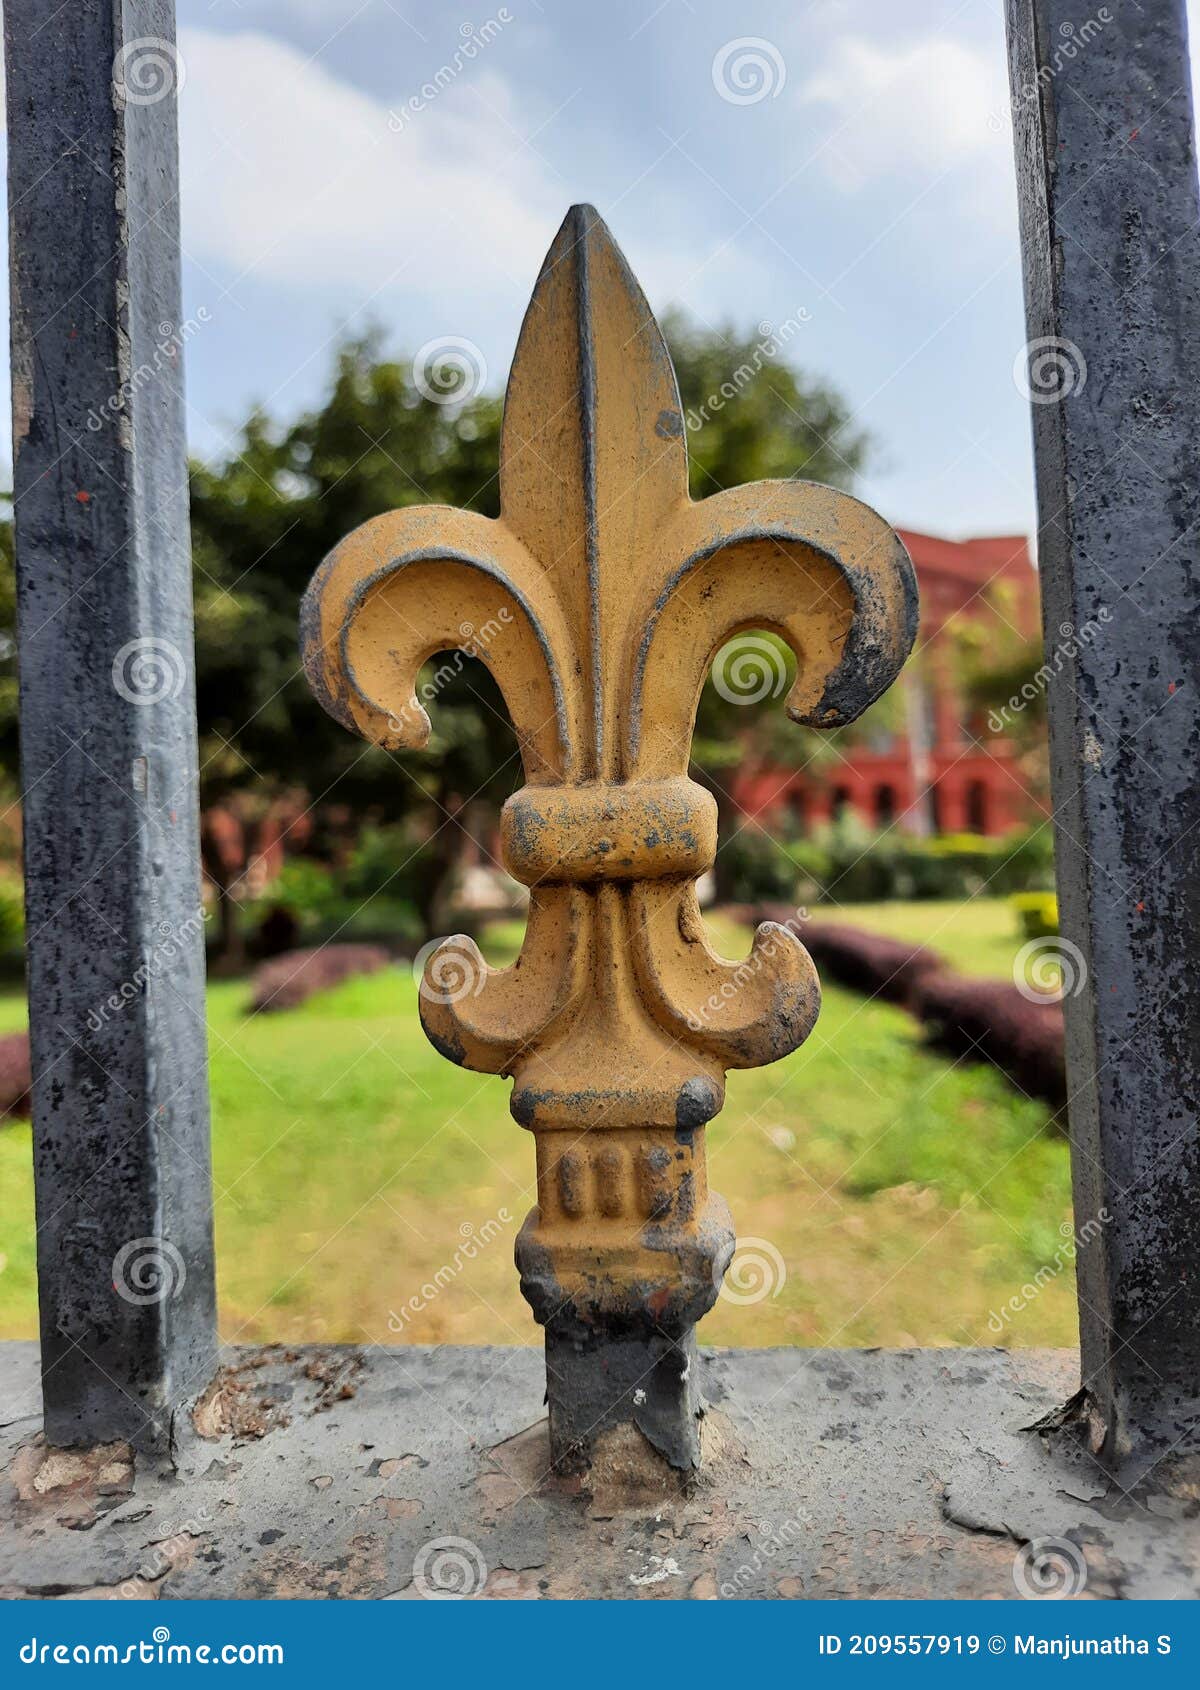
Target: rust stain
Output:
{"points": [[337, 1376], [231, 1407], [75, 1487], [357, 1571]]}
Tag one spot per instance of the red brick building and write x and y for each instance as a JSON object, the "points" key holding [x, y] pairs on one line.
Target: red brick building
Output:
{"points": [[946, 773]]}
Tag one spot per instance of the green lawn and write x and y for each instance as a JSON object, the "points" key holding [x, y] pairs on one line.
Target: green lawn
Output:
{"points": [[907, 1196]]}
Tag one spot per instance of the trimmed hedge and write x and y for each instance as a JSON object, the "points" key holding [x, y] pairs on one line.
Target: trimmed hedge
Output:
{"points": [[15, 1077], [1037, 914], [991, 1018], [850, 865], [987, 1019], [291, 979], [870, 963]]}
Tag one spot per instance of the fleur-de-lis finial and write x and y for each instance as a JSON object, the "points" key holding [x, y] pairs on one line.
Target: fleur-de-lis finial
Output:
{"points": [[606, 593]]}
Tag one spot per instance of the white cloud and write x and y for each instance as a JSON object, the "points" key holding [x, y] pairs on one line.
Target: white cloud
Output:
{"points": [[295, 177], [936, 108], [300, 178], [319, 11]]}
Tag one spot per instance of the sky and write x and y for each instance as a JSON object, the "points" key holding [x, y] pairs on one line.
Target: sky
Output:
{"points": [[844, 166]]}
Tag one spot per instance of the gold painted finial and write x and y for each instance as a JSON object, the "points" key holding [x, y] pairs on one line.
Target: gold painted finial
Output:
{"points": [[608, 592]]}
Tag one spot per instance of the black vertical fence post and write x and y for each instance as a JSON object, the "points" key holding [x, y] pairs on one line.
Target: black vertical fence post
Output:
{"points": [[1110, 229], [108, 731]]}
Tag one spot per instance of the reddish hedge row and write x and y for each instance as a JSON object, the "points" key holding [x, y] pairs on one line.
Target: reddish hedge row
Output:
{"points": [[15, 1077], [295, 976], [992, 1019], [987, 1019], [870, 963]]}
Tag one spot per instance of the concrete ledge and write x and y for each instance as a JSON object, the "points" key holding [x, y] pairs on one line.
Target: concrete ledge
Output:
{"points": [[326, 1472]]}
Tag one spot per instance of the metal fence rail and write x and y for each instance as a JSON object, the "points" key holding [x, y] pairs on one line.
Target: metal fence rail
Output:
{"points": [[108, 723]]}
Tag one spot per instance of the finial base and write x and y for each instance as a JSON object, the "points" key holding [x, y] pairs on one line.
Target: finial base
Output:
{"points": [[598, 1379], [619, 1305]]}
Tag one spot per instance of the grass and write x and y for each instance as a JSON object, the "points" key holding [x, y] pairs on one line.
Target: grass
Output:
{"points": [[908, 1197]]}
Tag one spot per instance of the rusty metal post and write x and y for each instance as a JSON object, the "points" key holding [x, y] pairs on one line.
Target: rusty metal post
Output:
{"points": [[108, 731], [599, 599], [1110, 228]]}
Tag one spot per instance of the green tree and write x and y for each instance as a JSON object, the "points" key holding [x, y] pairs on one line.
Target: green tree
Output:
{"points": [[751, 417], [265, 514], [262, 519]]}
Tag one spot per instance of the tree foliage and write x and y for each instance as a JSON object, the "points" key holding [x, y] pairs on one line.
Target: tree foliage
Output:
{"points": [[265, 514]]}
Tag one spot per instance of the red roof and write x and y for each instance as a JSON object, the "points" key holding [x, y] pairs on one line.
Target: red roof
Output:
{"points": [[976, 561]]}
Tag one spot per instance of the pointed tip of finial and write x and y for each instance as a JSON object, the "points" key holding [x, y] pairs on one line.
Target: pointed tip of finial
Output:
{"points": [[581, 220]]}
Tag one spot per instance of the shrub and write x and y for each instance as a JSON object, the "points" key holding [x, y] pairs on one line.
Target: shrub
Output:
{"points": [[289, 980], [870, 963], [374, 893], [757, 866], [12, 915], [813, 871], [848, 865], [15, 1079], [393, 864], [862, 865], [991, 1018], [1027, 862], [1037, 914], [988, 1019], [307, 891]]}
